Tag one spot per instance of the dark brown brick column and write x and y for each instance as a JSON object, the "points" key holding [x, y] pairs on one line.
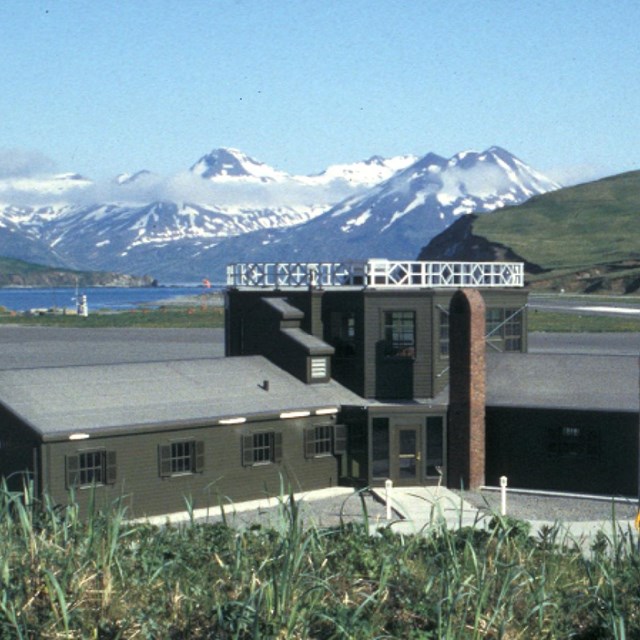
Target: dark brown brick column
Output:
{"points": [[466, 448]]}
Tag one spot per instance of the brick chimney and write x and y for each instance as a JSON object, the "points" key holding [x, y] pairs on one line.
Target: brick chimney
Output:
{"points": [[466, 459]]}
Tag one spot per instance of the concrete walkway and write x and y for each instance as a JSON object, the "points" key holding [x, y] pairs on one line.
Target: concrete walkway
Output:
{"points": [[418, 508], [413, 510]]}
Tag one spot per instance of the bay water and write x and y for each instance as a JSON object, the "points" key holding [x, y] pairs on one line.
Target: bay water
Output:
{"points": [[99, 298]]}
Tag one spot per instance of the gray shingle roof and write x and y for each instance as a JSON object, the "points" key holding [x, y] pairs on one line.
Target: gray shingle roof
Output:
{"points": [[563, 381], [57, 401]]}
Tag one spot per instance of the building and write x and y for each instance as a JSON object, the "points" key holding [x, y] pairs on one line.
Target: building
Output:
{"points": [[159, 434], [387, 324], [346, 374]]}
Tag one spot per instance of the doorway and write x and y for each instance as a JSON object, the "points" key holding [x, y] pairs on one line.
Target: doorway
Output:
{"points": [[407, 455]]}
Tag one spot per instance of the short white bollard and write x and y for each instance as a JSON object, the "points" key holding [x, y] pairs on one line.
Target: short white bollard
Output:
{"points": [[503, 495], [388, 485]]}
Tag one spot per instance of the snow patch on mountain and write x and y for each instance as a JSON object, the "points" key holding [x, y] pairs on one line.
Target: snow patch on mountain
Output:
{"points": [[229, 207]]}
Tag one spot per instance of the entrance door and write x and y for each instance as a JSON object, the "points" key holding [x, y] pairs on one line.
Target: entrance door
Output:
{"points": [[408, 458]]}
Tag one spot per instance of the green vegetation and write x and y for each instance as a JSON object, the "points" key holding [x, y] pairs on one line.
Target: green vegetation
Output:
{"points": [[207, 317], [552, 321], [584, 235], [15, 272], [577, 226], [100, 577], [193, 317]]}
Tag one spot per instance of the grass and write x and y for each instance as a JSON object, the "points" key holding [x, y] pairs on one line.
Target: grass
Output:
{"points": [[574, 227], [576, 323], [211, 317], [101, 577], [165, 317]]}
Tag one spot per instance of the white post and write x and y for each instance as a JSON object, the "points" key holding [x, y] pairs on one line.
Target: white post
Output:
{"points": [[503, 495], [388, 485]]}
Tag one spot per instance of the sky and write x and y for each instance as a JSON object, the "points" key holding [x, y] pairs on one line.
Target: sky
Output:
{"points": [[102, 88]]}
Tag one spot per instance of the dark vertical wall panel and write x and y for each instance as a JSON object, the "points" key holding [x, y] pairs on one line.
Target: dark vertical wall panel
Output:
{"points": [[519, 446], [17, 444]]}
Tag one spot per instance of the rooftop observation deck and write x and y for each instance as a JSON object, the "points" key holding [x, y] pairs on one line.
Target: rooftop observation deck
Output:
{"points": [[375, 274]]}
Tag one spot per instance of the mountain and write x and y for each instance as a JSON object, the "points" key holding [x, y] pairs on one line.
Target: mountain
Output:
{"points": [[394, 218], [223, 164], [229, 207], [18, 273], [580, 238]]}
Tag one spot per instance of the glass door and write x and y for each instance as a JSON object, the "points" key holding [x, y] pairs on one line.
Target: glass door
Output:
{"points": [[408, 456]]}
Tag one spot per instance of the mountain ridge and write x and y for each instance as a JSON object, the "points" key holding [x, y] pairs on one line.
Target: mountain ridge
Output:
{"points": [[576, 239], [229, 207]]}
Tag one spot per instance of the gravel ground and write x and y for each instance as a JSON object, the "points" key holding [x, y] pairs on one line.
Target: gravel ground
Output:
{"points": [[325, 512], [329, 512], [561, 509]]}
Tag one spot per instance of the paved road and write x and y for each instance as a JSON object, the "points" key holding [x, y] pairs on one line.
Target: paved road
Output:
{"points": [[622, 344], [26, 347], [587, 305]]}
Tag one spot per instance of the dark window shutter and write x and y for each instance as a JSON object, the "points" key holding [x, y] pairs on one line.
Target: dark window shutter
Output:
{"points": [[309, 442], [198, 458], [277, 446], [164, 460], [247, 450], [339, 439], [73, 471], [110, 467]]}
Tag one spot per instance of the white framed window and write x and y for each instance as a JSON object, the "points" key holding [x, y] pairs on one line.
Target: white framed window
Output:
{"points": [[261, 447], [181, 457], [325, 440], [91, 468], [400, 334]]}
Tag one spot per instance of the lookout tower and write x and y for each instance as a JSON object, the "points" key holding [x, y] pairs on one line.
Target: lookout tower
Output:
{"points": [[382, 329]]}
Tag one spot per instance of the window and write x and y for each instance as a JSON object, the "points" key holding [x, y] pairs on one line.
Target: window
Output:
{"points": [[513, 330], [181, 457], [444, 333], [504, 329], [380, 447], [343, 333], [87, 468], [400, 334], [324, 440], [494, 319], [573, 442], [435, 446], [262, 447]]}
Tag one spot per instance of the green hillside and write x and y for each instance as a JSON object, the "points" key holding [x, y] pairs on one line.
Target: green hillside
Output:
{"points": [[576, 226], [18, 273], [582, 238]]}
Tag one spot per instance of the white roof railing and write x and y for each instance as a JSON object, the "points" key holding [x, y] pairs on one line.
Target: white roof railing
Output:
{"points": [[377, 274]]}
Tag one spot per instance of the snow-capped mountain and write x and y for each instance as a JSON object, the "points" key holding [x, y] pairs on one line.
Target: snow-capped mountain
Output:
{"points": [[224, 164], [394, 218], [229, 207]]}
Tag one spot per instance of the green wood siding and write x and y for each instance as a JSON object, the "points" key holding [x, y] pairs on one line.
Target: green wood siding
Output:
{"points": [[141, 471]]}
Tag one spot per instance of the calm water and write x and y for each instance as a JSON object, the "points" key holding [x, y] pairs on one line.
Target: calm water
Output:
{"points": [[116, 298]]}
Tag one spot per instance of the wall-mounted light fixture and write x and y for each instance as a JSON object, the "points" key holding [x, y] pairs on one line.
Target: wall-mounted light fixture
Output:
{"points": [[294, 414], [232, 421]]}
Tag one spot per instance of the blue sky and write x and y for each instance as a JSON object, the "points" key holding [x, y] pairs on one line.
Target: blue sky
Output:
{"points": [[107, 87]]}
